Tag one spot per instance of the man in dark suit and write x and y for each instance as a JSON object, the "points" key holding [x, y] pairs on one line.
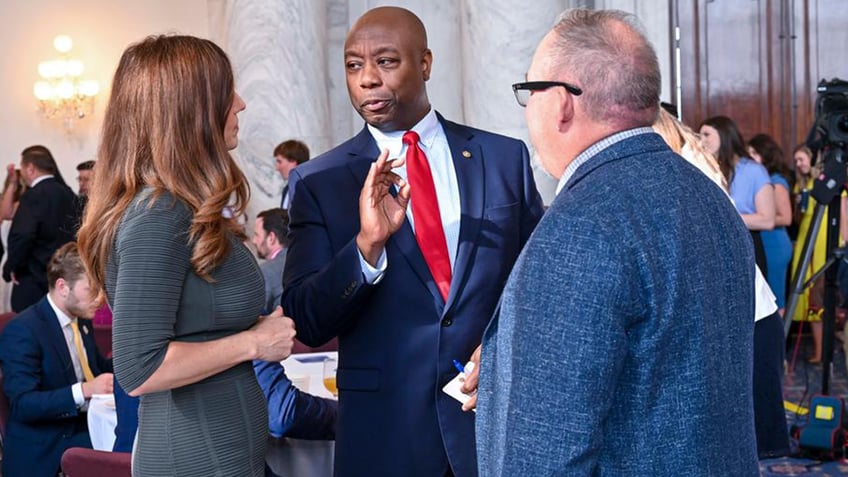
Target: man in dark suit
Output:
{"points": [[288, 155], [403, 260], [46, 219], [50, 369], [623, 341]]}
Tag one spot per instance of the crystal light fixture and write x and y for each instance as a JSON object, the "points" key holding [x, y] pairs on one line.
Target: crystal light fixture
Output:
{"points": [[61, 93]]}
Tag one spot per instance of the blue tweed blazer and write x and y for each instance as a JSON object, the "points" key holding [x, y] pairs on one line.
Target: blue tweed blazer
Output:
{"points": [[623, 342]]}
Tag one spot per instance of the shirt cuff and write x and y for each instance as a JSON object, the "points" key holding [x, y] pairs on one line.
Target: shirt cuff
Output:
{"points": [[79, 397], [373, 275]]}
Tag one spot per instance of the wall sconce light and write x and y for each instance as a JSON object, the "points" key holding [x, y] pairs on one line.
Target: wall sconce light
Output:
{"points": [[61, 93]]}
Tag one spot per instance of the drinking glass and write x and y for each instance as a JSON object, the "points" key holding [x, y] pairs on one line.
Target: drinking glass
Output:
{"points": [[330, 366]]}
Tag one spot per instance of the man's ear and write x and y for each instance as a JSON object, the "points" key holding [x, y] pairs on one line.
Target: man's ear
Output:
{"points": [[426, 64], [565, 110], [62, 287], [272, 237]]}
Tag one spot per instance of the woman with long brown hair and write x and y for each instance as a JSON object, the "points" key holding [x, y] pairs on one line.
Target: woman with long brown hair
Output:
{"points": [[750, 187], [185, 292]]}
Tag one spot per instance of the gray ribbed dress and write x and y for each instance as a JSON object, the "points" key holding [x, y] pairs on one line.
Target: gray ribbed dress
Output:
{"points": [[215, 427]]}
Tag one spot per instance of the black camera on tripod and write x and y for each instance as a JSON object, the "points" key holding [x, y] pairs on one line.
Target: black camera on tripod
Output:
{"points": [[829, 135], [831, 125]]}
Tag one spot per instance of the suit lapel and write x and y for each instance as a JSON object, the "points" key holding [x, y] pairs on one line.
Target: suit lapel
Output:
{"points": [[363, 152], [56, 337], [467, 158]]}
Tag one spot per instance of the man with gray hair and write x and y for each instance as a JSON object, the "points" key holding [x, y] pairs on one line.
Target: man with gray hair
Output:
{"points": [[623, 341]]}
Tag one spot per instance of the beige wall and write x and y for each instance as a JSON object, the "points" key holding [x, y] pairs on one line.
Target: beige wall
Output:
{"points": [[101, 29]]}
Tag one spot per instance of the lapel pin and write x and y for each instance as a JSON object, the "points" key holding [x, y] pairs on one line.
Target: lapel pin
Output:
{"points": [[84, 329], [466, 154]]}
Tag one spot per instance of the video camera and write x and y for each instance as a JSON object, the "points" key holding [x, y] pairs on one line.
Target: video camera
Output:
{"points": [[829, 135]]}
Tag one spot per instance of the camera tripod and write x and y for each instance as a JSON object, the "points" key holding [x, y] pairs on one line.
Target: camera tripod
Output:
{"points": [[826, 190]]}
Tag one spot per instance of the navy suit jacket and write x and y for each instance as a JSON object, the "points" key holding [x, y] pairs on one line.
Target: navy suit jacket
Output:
{"points": [[623, 343], [47, 218], [37, 376], [397, 338]]}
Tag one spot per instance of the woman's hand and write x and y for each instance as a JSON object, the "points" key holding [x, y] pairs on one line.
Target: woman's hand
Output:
{"points": [[273, 336]]}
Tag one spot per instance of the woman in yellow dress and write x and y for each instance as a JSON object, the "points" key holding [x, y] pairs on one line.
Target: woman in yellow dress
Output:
{"points": [[810, 302]]}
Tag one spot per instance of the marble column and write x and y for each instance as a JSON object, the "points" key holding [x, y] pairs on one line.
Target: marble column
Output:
{"points": [[499, 39], [279, 58]]}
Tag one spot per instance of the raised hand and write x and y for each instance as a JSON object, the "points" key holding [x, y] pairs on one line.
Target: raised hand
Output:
{"points": [[380, 213]]}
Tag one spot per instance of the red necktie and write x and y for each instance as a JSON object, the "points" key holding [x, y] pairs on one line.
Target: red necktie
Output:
{"points": [[425, 210]]}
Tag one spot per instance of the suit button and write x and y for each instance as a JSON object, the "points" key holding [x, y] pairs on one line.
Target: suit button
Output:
{"points": [[447, 321]]}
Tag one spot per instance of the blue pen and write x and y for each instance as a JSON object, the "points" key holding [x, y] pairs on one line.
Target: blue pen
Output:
{"points": [[458, 366]]}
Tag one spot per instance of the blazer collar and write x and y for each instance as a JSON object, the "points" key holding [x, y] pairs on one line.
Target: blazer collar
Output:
{"points": [[56, 336], [632, 146]]}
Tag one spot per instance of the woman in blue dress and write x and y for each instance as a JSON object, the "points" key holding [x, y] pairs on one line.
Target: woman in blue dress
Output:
{"points": [[776, 243]]}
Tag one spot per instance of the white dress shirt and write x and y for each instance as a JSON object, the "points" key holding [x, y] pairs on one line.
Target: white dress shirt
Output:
{"points": [[65, 324], [434, 143]]}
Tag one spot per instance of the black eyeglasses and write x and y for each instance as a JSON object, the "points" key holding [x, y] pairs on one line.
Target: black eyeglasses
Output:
{"points": [[522, 90]]}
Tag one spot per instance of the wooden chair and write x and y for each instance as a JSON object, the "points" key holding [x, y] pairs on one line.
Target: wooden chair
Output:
{"points": [[82, 462]]}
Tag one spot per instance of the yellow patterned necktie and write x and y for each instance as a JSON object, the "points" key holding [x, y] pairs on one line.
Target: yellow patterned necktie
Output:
{"points": [[86, 371]]}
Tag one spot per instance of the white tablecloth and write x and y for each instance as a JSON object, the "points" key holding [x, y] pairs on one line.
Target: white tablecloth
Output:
{"points": [[286, 457], [102, 420]]}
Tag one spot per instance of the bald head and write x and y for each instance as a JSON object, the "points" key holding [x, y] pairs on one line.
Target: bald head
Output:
{"points": [[387, 63], [392, 19]]}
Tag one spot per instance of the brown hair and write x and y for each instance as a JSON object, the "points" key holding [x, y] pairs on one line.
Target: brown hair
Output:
{"points": [[293, 150], [731, 145], [65, 263], [164, 128], [277, 221]]}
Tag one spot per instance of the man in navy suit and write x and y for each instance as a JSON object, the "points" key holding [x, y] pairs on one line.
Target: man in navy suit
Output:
{"points": [[47, 218], [46, 377], [403, 260], [623, 343]]}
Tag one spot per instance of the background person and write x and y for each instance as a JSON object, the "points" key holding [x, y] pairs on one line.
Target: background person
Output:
{"points": [[46, 218], [750, 187], [778, 248], [51, 368], [288, 155]]}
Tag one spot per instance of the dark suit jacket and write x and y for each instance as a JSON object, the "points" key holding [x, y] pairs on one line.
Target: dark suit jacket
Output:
{"points": [[47, 218], [397, 338], [37, 376], [623, 342]]}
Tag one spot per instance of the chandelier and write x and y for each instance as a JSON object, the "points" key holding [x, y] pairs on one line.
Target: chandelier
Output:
{"points": [[61, 93]]}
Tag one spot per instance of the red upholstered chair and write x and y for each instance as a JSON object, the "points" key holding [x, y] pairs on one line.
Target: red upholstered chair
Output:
{"points": [[81, 462], [332, 345]]}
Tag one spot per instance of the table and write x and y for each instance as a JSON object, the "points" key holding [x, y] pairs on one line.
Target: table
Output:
{"points": [[285, 456]]}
